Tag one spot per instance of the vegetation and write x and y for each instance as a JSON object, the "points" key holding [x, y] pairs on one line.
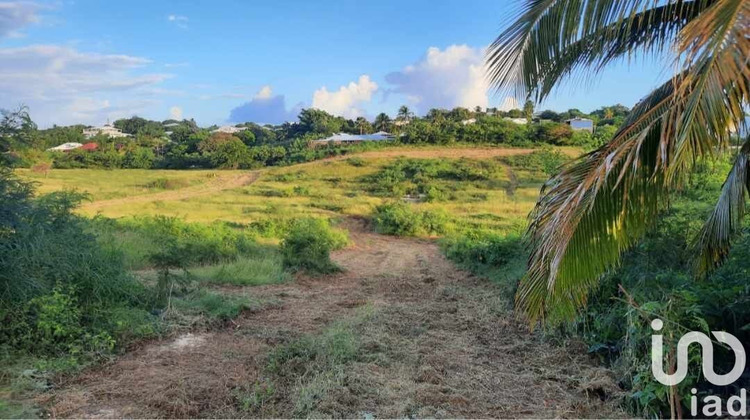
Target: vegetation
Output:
{"points": [[308, 245], [175, 144], [586, 216], [400, 219]]}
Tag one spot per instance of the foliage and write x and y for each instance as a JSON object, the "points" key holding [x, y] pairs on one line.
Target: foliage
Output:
{"points": [[57, 284], [399, 218], [547, 161], [655, 280], [595, 209], [309, 243]]}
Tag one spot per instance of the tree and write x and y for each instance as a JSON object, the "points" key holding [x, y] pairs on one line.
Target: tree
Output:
{"points": [[16, 129], [604, 202], [404, 114], [528, 111], [363, 125], [382, 122]]}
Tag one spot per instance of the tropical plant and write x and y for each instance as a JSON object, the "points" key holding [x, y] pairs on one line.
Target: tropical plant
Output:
{"points": [[598, 206], [382, 122], [404, 113]]}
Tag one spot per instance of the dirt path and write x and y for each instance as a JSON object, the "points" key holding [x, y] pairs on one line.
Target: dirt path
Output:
{"points": [[219, 184], [441, 343]]}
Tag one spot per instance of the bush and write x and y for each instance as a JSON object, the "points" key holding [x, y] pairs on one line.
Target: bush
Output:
{"points": [[55, 279], [309, 244], [398, 218], [167, 184], [545, 160]]}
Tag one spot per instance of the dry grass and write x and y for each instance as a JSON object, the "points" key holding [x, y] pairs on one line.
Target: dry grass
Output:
{"points": [[435, 342]]}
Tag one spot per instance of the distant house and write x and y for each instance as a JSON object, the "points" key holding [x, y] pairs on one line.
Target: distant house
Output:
{"points": [[469, 121], [106, 130], [343, 138], [89, 146], [519, 121], [581, 124], [399, 123], [65, 147], [229, 129]]}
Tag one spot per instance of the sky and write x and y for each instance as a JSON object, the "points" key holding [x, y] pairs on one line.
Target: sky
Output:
{"points": [[221, 62]]}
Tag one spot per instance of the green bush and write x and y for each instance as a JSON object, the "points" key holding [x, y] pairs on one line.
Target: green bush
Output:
{"points": [[400, 219], [56, 280], [544, 160], [167, 184], [309, 244]]}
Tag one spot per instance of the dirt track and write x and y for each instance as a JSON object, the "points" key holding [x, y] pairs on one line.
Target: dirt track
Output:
{"points": [[446, 345]]}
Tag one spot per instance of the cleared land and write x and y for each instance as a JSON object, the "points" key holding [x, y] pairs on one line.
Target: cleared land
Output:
{"points": [[400, 333]]}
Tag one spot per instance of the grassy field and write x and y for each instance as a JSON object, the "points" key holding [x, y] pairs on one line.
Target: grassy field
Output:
{"points": [[328, 188]]}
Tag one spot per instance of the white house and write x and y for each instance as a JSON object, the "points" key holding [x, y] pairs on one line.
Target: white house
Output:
{"points": [[519, 121], [581, 124], [106, 130], [65, 147], [229, 129], [469, 121]]}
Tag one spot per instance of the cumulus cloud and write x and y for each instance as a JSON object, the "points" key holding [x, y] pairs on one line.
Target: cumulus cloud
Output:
{"points": [[265, 108], [445, 78], [61, 84], [178, 20], [175, 113], [264, 93], [16, 15], [347, 100]]}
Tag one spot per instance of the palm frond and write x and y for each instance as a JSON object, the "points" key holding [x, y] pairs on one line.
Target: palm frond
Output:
{"points": [[714, 240], [549, 38], [598, 206]]}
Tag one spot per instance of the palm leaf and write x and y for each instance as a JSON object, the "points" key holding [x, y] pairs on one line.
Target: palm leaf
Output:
{"points": [[725, 221]]}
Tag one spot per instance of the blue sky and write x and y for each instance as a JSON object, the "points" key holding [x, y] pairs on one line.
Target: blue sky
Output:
{"points": [[88, 61]]}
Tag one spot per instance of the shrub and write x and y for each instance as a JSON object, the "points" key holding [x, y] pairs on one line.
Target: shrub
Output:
{"points": [[356, 161], [167, 184], [55, 278], [309, 244], [398, 218], [545, 160]]}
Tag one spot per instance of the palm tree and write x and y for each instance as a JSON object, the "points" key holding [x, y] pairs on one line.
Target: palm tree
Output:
{"points": [[382, 122], [404, 113], [600, 204]]}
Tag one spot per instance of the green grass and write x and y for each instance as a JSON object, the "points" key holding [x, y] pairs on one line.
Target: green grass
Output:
{"points": [[104, 184], [262, 268], [321, 189], [215, 306]]}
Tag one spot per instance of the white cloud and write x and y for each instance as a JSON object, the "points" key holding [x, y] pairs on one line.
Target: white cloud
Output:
{"points": [[61, 85], [264, 92], [175, 113], [179, 20], [445, 78], [16, 15], [345, 101]]}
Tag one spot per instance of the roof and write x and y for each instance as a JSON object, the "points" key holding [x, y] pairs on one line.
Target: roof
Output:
{"points": [[344, 137], [89, 146], [65, 146], [579, 120]]}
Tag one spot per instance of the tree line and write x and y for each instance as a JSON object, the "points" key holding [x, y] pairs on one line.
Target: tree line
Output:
{"points": [[173, 144]]}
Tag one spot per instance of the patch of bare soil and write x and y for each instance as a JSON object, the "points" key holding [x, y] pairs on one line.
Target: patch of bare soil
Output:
{"points": [[442, 343], [222, 182]]}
